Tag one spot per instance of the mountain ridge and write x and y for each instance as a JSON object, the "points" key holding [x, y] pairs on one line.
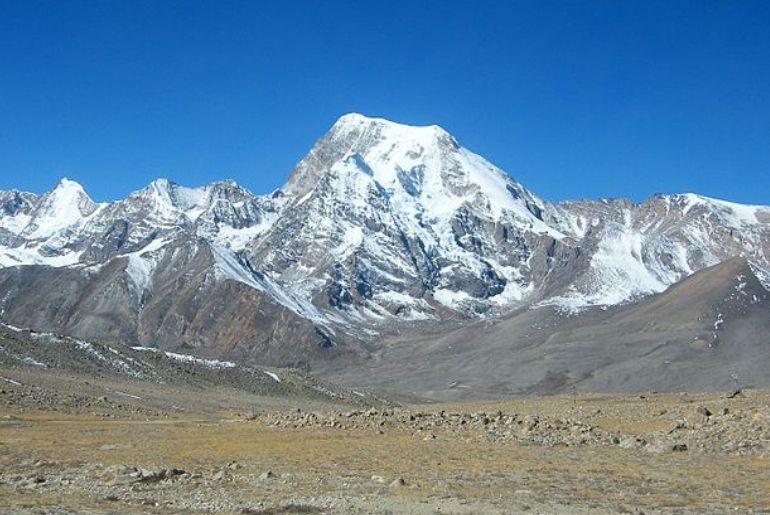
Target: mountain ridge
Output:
{"points": [[379, 228]]}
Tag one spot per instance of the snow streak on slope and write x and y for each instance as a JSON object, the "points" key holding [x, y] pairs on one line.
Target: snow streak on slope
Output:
{"points": [[141, 264], [229, 266]]}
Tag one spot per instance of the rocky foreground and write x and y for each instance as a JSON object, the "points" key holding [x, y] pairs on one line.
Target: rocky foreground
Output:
{"points": [[737, 432], [226, 452]]}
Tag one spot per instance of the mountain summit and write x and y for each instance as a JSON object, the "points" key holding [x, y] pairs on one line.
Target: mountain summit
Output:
{"points": [[381, 227]]}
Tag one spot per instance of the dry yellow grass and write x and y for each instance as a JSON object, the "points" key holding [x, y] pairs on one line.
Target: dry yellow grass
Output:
{"points": [[320, 461]]}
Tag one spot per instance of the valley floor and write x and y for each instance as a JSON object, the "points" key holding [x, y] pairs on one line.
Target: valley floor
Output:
{"points": [[229, 452]]}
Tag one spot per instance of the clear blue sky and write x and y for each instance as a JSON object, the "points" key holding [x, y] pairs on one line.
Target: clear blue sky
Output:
{"points": [[574, 99]]}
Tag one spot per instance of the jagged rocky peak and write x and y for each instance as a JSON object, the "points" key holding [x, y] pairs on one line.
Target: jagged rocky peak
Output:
{"points": [[14, 202], [228, 190], [167, 200], [169, 193]]}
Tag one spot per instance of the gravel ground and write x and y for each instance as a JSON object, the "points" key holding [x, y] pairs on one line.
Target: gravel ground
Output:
{"points": [[67, 447]]}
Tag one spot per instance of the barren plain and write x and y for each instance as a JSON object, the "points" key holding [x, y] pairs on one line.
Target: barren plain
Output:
{"points": [[69, 445]]}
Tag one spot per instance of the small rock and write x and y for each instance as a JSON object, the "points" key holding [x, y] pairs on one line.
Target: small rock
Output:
{"points": [[172, 473], [398, 483], [658, 447], [631, 442], [679, 424], [266, 475]]}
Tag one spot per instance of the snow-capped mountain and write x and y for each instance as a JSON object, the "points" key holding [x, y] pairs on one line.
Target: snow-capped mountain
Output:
{"points": [[381, 225], [640, 249]]}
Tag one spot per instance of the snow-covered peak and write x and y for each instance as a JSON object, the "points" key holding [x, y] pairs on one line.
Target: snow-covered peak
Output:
{"points": [[61, 208], [356, 122], [67, 184], [167, 200], [70, 193], [423, 170], [160, 186]]}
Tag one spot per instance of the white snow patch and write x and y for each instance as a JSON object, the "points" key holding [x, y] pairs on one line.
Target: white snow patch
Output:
{"points": [[32, 361], [192, 201], [273, 376], [186, 358], [417, 309], [450, 298], [719, 322], [124, 394], [733, 214], [15, 224], [209, 363], [141, 264], [238, 239], [117, 363], [20, 256], [617, 274], [352, 238], [511, 294], [762, 274]]}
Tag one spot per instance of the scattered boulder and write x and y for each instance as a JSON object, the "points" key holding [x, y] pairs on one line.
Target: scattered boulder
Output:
{"points": [[632, 442]]}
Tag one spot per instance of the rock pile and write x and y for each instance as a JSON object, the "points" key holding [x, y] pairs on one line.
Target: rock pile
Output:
{"points": [[741, 432]]}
